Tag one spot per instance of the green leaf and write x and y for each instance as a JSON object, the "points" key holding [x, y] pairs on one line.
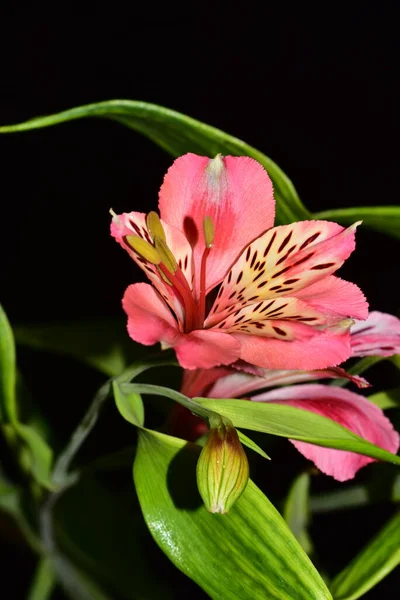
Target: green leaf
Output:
{"points": [[178, 134], [296, 510], [246, 441], [34, 453], [44, 581], [102, 344], [385, 219], [373, 563], [248, 554], [295, 423], [388, 399], [8, 408], [158, 390], [38, 455], [130, 405], [352, 497]]}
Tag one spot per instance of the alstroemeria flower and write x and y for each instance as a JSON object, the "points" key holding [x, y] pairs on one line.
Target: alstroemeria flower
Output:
{"points": [[277, 305], [379, 335], [347, 408]]}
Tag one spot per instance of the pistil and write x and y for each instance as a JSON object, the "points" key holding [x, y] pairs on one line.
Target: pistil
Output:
{"points": [[208, 230]]}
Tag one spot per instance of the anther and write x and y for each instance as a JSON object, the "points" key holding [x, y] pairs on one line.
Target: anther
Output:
{"points": [[144, 249], [208, 229], [154, 226]]}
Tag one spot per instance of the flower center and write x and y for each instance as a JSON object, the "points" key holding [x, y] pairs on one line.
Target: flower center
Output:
{"points": [[159, 254]]}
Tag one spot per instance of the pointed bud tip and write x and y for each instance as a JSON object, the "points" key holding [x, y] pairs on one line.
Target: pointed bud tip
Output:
{"points": [[215, 168], [114, 215], [355, 225]]}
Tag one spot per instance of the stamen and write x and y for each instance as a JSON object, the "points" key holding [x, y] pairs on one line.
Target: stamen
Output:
{"points": [[178, 281], [208, 229], [144, 249], [154, 226], [172, 274], [166, 255]]}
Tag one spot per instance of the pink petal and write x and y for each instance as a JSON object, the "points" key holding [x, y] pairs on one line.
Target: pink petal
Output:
{"points": [[350, 410], [198, 381], [149, 319], [338, 373], [205, 349], [334, 295], [284, 260], [236, 384], [379, 335], [250, 316], [325, 349], [236, 192], [231, 384]]}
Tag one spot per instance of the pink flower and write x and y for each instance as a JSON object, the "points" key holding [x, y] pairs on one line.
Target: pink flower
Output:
{"points": [[228, 286], [379, 335], [347, 408]]}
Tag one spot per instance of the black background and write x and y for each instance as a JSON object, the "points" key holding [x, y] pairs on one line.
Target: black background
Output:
{"points": [[315, 93], [313, 89]]}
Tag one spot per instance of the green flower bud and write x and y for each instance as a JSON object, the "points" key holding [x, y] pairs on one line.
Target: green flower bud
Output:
{"points": [[222, 469]]}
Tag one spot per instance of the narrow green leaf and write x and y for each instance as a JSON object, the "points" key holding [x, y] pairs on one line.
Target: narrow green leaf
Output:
{"points": [[248, 554], [352, 497], [38, 454], [130, 405], [158, 390], [101, 344], [295, 423], [44, 581], [246, 441], [8, 408], [296, 511], [34, 453], [178, 134], [388, 399], [373, 563], [385, 219]]}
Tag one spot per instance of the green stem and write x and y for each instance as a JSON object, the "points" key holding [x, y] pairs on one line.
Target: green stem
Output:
{"points": [[63, 463], [44, 581]]}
